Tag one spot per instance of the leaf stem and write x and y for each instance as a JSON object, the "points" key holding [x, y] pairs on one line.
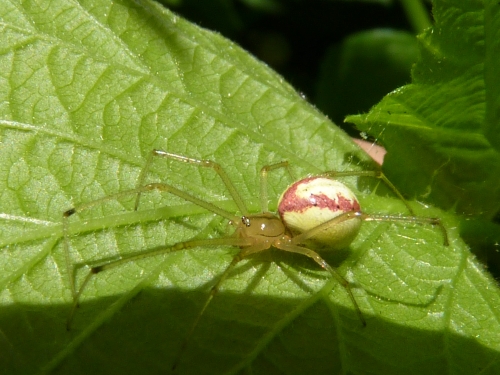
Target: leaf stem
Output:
{"points": [[417, 14]]}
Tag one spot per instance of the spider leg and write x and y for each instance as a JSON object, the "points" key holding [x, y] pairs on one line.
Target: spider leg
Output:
{"points": [[244, 252], [313, 232], [350, 215], [264, 196], [410, 219], [155, 186], [200, 163], [151, 253], [375, 174], [323, 264]]}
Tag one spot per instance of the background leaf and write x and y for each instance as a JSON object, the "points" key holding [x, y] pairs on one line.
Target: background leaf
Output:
{"points": [[441, 131], [88, 90], [358, 73]]}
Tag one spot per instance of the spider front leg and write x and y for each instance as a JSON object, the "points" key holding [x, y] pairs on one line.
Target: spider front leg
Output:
{"points": [[197, 162], [155, 186], [162, 250]]}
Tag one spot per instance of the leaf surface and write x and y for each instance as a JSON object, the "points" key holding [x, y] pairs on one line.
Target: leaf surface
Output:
{"points": [[88, 89]]}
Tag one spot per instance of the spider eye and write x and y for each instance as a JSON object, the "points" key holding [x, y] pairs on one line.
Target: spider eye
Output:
{"points": [[245, 220]]}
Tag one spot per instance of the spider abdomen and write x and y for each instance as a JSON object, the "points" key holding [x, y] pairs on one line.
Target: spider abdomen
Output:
{"points": [[313, 201]]}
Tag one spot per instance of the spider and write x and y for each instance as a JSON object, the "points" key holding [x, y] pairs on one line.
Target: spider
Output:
{"points": [[314, 211]]}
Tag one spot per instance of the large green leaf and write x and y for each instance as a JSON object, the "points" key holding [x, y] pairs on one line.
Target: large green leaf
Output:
{"points": [[442, 131], [88, 90]]}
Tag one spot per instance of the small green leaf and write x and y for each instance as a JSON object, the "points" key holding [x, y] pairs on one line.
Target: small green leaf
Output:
{"points": [[88, 89], [442, 131]]}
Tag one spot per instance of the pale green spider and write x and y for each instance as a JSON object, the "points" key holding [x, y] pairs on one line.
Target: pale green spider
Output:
{"points": [[313, 211]]}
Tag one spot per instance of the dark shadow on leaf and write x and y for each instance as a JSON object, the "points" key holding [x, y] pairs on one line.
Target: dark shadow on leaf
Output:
{"points": [[238, 333]]}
